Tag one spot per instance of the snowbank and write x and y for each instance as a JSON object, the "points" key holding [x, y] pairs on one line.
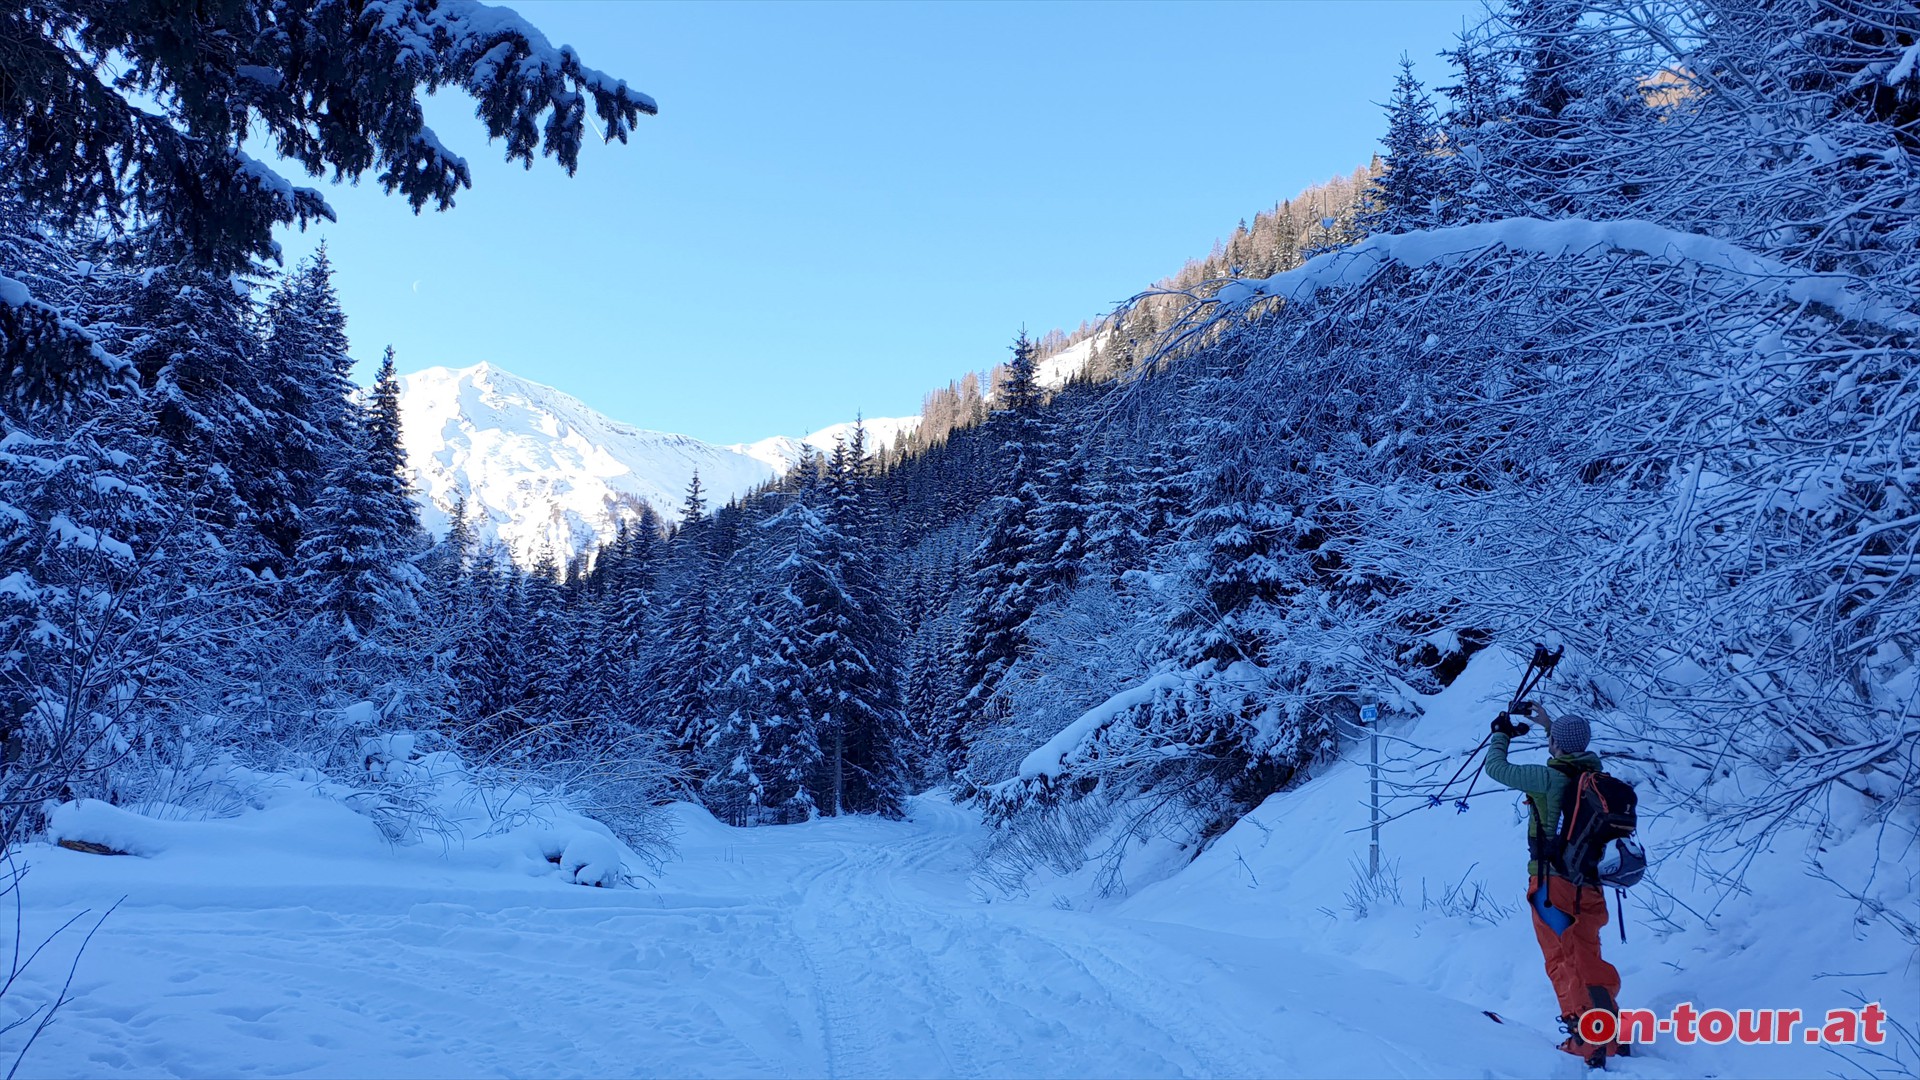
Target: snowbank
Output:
{"points": [[1570, 236], [418, 812]]}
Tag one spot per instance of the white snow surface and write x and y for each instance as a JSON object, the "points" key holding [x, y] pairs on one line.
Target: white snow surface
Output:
{"points": [[1062, 367], [292, 940], [542, 467], [13, 293]]}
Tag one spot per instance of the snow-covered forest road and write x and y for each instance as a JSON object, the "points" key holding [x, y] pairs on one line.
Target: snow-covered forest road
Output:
{"points": [[838, 948]]}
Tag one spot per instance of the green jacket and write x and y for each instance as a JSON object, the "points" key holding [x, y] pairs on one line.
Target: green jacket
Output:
{"points": [[1544, 787]]}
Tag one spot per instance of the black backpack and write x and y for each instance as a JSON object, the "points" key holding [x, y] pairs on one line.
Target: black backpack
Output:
{"points": [[1593, 842]]}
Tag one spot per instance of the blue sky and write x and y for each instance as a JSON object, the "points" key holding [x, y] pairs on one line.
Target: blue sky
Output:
{"points": [[841, 206]]}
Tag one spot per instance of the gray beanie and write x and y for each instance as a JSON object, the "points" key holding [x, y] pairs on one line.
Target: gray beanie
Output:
{"points": [[1569, 734]]}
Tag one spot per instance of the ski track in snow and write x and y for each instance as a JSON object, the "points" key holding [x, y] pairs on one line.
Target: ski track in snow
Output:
{"points": [[847, 948]]}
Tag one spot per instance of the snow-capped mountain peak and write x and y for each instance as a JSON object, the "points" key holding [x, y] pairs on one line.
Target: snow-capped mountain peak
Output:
{"points": [[541, 468]]}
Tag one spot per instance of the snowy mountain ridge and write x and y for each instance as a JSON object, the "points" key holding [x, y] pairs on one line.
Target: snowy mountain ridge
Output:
{"points": [[539, 467]]}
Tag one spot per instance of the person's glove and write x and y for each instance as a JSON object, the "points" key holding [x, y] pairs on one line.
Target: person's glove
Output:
{"points": [[1502, 725]]}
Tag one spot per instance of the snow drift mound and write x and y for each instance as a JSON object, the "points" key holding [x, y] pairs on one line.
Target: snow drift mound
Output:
{"points": [[412, 812]]}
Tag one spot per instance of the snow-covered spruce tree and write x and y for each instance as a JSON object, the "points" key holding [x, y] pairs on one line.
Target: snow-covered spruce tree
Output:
{"points": [[447, 565], [1245, 535], [386, 461], [1008, 574], [684, 664], [199, 361], [47, 356], [308, 375], [487, 668], [812, 719], [780, 683], [450, 610], [928, 578], [1116, 523], [1413, 190], [724, 768], [100, 595], [693, 507], [1020, 392], [1001, 598], [88, 625], [352, 573], [928, 688], [858, 641], [545, 641], [1062, 526], [625, 578]]}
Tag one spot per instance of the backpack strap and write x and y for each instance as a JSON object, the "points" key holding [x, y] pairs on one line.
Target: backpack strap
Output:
{"points": [[1538, 837], [1553, 839], [1572, 813]]}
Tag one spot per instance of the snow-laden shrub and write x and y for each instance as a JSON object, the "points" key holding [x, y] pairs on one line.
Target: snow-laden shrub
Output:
{"points": [[1091, 644], [618, 776], [414, 786], [588, 859], [1052, 839], [408, 804]]}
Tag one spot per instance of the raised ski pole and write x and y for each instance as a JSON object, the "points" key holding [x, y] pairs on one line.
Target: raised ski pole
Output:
{"points": [[1460, 804], [1434, 799], [1538, 668]]}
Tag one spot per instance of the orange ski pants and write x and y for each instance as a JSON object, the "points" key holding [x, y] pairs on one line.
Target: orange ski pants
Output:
{"points": [[1580, 977]]}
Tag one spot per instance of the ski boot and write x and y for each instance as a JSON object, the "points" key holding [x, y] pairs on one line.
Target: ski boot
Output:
{"points": [[1595, 1056], [1604, 1000]]}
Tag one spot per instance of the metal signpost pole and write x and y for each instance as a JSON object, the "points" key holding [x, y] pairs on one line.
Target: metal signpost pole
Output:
{"points": [[1368, 715]]}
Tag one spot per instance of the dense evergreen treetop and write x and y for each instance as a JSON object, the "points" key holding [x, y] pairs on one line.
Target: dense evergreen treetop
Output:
{"points": [[140, 111], [1020, 391]]}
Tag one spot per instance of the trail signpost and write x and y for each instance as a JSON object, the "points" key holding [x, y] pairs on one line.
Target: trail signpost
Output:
{"points": [[1369, 715]]}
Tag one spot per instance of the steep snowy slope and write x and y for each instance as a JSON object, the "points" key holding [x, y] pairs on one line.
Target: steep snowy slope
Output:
{"points": [[540, 466], [1057, 370]]}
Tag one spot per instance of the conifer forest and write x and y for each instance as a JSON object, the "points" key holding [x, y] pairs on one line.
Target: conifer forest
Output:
{"points": [[1614, 346]]}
